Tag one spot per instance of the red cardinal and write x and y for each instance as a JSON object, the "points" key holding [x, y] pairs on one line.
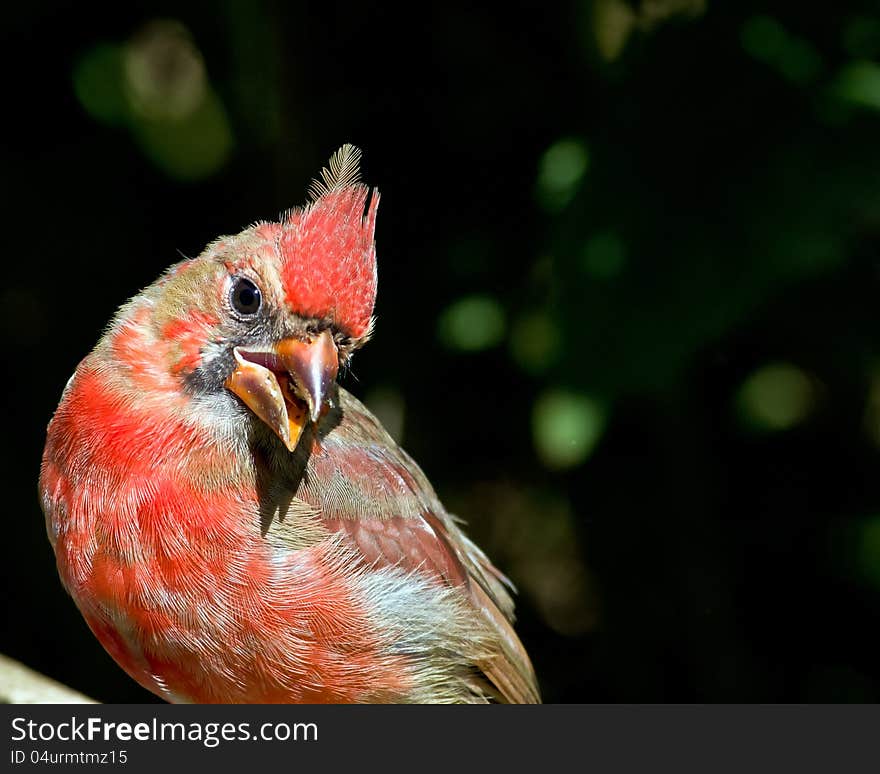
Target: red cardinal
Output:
{"points": [[233, 525]]}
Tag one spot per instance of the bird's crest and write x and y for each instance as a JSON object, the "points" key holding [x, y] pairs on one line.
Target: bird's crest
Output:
{"points": [[344, 170], [327, 249]]}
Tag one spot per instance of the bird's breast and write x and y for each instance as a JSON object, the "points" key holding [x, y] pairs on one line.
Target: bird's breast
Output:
{"points": [[160, 540]]}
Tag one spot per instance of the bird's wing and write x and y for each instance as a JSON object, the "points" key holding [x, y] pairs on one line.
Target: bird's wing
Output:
{"points": [[375, 497]]}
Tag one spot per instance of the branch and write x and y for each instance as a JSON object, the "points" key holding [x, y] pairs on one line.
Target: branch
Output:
{"points": [[20, 685]]}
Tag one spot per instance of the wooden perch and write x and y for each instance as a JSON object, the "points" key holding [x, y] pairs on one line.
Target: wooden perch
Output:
{"points": [[20, 685]]}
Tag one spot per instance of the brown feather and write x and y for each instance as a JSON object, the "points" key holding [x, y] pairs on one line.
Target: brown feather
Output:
{"points": [[371, 493]]}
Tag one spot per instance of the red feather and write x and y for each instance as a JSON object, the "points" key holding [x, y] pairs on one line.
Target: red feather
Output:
{"points": [[328, 258]]}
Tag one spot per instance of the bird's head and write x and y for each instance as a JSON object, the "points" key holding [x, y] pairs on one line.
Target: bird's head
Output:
{"points": [[270, 315]]}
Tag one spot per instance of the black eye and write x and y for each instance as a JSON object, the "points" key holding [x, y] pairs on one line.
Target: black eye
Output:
{"points": [[245, 296]]}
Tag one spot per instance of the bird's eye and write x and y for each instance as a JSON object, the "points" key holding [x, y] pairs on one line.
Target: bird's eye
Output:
{"points": [[245, 296]]}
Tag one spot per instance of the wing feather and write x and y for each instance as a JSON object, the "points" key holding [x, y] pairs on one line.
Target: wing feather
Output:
{"points": [[376, 499]]}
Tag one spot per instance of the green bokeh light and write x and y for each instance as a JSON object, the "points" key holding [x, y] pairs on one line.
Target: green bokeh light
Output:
{"points": [[191, 148], [560, 172], [566, 427], [98, 84], [859, 84], [769, 42], [778, 396], [155, 84], [472, 323]]}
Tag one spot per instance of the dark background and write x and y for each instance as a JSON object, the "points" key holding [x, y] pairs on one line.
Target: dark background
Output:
{"points": [[629, 259]]}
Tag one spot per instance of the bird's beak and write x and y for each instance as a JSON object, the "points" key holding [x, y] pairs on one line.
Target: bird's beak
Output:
{"points": [[287, 385]]}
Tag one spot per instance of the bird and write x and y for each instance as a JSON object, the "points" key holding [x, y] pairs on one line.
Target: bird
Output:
{"points": [[234, 525]]}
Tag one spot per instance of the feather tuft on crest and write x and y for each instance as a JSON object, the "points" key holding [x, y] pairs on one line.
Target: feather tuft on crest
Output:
{"points": [[327, 249], [344, 170]]}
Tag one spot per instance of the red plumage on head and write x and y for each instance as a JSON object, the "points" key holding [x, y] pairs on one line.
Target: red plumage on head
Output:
{"points": [[328, 252]]}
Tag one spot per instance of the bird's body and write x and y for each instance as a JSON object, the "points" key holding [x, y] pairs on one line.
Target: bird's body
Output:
{"points": [[236, 528]]}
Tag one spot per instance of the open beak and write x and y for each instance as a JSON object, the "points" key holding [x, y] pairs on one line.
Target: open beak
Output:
{"points": [[287, 385]]}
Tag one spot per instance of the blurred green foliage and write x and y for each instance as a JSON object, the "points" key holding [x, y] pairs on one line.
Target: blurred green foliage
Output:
{"points": [[566, 426], [472, 323], [629, 262], [155, 83], [777, 396]]}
